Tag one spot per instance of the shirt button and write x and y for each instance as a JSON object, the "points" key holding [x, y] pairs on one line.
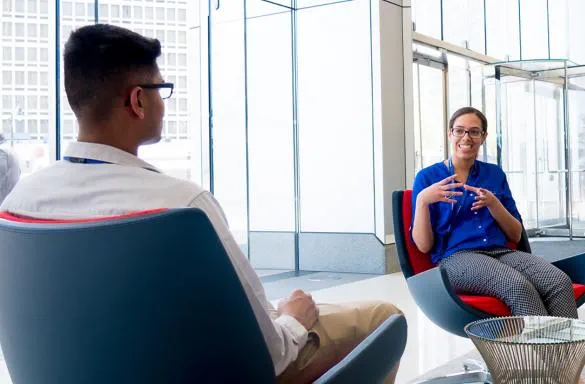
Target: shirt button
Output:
{"points": [[479, 227], [475, 213], [484, 240], [471, 194]]}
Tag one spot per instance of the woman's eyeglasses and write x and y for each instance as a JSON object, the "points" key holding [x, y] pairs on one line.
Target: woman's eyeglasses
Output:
{"points": [[474, 133]]}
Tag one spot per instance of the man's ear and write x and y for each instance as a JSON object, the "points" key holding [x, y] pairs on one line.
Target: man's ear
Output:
{"points": [[137, 102]]}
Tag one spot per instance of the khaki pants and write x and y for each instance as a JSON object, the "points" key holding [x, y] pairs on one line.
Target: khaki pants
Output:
{"points": [[341, 327]]}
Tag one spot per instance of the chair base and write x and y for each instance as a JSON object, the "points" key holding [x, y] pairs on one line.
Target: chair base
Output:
{"points": [[474, 371]]}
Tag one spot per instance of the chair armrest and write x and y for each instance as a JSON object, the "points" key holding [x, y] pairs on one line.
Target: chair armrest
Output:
{"points": [[574, 266], [373, 358], [434, 294]]}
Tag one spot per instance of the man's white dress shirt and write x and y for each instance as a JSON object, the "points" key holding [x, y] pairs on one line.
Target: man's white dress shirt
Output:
{"points": [[9, 172], [67, 190]]}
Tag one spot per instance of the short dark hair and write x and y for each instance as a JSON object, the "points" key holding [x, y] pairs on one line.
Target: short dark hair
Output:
{"points": [[468, 110], [99, 60]]}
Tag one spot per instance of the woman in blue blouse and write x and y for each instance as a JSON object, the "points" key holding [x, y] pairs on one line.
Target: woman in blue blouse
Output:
{"points": [[464, 214]]}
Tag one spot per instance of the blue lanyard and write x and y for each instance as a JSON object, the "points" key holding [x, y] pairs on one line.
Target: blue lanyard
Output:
{"points": [[455, 212], [83, 160]]}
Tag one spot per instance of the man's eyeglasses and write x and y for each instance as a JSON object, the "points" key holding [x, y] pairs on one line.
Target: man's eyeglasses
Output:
{"points": [[164, 89], [474, 133]]}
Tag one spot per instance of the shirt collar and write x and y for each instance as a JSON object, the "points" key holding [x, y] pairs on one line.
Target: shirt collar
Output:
{"points": [[106, 153]]}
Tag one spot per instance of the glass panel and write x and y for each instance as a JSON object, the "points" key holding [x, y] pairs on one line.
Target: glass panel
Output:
{"points": [[430, 129], [550, 145], [576, 31], [518, 140], [503, 39], [335, 118], [179, 152], [463, 24], [270, 138], [559, 28], [533, 17], [228, 99], [26, 107], [426, 16], [459, 83], [576, 101]]}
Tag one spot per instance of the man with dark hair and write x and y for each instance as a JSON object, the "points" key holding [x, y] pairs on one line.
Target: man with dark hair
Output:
{"points": [[116, 90]]}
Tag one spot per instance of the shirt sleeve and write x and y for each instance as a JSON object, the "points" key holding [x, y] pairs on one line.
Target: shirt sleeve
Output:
{"points": [[507, 200], [284, 335]]}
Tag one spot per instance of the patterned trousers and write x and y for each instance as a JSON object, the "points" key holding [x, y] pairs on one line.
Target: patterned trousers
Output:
{"points": [[527, 284]]}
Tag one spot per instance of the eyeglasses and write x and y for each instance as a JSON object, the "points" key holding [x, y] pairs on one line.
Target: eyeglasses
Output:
{"points": [[474, 133], [164, 89]]}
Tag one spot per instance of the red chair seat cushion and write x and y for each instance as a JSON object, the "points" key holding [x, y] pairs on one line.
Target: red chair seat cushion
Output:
{"points": [[495, 307], [21, 219]]}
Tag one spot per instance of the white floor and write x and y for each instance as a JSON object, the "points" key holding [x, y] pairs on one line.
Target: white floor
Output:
{"points": [[428, 346]]}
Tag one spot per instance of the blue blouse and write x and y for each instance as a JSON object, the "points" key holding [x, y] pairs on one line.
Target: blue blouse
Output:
{"points": [[455, 226]]}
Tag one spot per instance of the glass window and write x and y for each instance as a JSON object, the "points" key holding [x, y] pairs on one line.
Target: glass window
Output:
{"points": [[138, 12], [44, 5], [79, 10], [160, 14], [115, 10], [33, 78], [44, 54], [32, 54], [19, 29], [7, 5], [32, 30], [503, 33], [19, 53], [19, 6], [44, 78], [171, 14], [19, 78], [325, 162], [575, 30], [6, 78], [172, 59], [44, 102], [67, 8], [6, 53], [534, 19], [182, 37], [104, 11], [182, 60], [149, 14], [426, 15], [463, 24], [126, 12], [31, 102], [44, 30], [6, 29], [171, 37], [7, 103], [32, 6], [32, 126], [182, 15]]}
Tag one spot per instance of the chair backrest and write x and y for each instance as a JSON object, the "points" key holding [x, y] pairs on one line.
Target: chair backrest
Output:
{"points": [[413, 261], [146, 299]]}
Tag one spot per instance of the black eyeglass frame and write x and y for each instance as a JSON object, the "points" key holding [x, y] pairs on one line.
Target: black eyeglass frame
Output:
{"points": [[468, 132], [159, 86]]}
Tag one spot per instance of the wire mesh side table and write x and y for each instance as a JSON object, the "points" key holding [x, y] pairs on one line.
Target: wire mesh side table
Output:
{"points": [[530, 349]]}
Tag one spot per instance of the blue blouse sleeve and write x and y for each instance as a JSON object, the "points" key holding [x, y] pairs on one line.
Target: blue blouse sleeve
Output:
{"points": [[507, 200]]}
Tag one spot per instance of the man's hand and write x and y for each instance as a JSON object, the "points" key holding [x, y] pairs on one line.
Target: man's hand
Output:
{"points": [[301, 306], [440, 191], [483, 199]]}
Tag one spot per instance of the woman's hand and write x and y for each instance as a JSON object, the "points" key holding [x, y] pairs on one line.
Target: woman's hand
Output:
{"points": [[483, 199], [440, 191]]}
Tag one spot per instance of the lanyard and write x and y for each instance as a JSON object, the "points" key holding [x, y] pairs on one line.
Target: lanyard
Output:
{"points": [[83, 160], [455, 212]]}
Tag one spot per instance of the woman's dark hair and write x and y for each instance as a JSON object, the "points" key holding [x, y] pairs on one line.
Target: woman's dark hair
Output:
{"points": [[468, 110], [100, 61]]}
